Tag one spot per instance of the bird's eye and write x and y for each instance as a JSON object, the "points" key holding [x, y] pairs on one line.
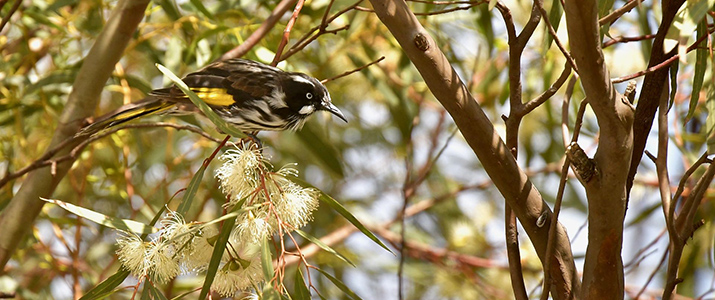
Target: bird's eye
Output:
{"points": [[309, 96]]}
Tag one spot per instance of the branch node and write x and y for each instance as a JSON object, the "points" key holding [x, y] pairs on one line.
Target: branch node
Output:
{"points": [[541, 221], [696, 226], [630, 92], [421, 42], [581, 163]]}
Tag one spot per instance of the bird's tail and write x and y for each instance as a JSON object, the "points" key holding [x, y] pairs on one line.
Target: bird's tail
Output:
{"points": [[126, 113]]}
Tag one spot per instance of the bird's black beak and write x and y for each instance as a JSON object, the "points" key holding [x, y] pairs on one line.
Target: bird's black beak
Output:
{"points": [[334, 110]]}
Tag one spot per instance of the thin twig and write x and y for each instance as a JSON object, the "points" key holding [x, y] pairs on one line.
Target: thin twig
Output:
{"points": [[7, 17], [665, 63], [622, 39], [449, 10], [661, 163], [352, 71], [552, 32], [286, 32], [261, 32], [320, 29], [47, 159], [536, 102], [557, 205], [652, 275], [613, 16]]}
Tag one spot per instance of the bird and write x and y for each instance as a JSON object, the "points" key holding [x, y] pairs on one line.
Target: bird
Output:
{"points": [[249, 95]]}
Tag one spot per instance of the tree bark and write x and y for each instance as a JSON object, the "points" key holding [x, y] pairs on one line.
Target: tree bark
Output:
{"points": [[17, 218], [478, 131], [606, 191]]}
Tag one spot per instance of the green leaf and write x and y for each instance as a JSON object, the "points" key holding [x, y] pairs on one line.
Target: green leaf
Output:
{"points": [[701, 63], [145, 291], [266, 259], [208, 112], [335, 205], [191, 190], [107, 287], [325, 152], [102, 219], [673, 83], [58, 77], [555, 18], [340, 285], [710, 121], [170, 9], [324, 246], [215, 261], [301, 291], [200, 7], [270, 293], [644, 214], [156, 294], [604, 7], [686, 20]]}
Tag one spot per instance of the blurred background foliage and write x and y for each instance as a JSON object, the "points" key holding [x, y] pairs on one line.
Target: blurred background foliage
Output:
{"points": [[396, 131]]}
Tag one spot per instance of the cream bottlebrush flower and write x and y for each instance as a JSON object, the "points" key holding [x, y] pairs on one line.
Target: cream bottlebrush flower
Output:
{"points": [[239, 274], [197, 255], [240, 171], [132, 253], [252, 226], [163, 263], [294, 204]]}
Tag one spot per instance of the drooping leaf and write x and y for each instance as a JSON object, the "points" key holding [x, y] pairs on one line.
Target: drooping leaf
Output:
{"points": [[323, 246], [673, 83], [555, 18], [200, 7], [107, 287], [215, 261], [102, 219], [701, 63], [266, 259], [710, 121], [335, 205], [340, 285], [155, 293], [686, 20], [325, 152], [300, 291], [191, 190]]}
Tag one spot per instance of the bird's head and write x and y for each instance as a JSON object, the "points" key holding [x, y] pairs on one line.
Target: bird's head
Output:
{"points": [[306, 95]]}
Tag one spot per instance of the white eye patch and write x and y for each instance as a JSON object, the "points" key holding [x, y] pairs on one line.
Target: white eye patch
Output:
{"points": [[302, 79], [306, 110]]}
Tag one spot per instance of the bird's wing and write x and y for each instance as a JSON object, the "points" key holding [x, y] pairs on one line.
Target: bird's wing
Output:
{"points": [[231, 83]]}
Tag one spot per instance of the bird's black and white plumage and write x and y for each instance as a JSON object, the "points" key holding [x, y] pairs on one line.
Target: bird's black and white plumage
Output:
{"points": [[249, 95]]}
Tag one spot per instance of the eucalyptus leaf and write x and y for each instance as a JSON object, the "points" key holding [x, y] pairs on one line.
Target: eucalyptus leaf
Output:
{"points": [[102, 219]]}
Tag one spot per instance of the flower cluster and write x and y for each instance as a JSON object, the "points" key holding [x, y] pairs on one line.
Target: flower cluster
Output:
{"points": [[269, 202], [277, 203]]}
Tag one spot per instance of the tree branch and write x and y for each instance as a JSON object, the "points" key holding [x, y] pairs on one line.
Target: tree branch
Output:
{"points": [[606, 190], [478, 131], [653, 85], [17, 217]]}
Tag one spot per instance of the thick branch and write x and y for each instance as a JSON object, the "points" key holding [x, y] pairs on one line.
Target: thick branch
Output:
{"points": [[653, 86], [606, 191], [478, 131], [17, 218]]}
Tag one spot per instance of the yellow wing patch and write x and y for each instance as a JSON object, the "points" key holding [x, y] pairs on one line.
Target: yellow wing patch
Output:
{"points": [[150, 109], [214, 96]]}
